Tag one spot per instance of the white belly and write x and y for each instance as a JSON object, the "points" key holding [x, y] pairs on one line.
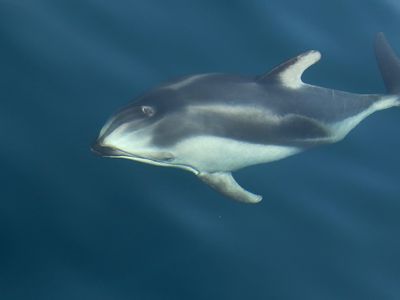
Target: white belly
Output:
{"points": [[217, 154]]}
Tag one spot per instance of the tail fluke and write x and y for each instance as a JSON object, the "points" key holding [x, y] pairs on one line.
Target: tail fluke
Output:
{"points": [[389, 64]]}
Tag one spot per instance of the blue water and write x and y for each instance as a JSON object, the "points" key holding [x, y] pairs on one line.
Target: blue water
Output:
{"points": [[76, 226]]}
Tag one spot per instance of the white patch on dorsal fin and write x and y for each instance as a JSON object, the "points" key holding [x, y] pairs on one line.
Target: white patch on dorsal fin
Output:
{"points": [[289, 73]]}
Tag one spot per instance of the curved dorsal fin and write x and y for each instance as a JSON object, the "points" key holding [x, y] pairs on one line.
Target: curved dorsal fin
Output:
{"points": [[289, 73]]}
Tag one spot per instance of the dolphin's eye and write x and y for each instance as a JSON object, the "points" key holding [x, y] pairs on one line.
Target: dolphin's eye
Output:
{"points": [[148, 111]]}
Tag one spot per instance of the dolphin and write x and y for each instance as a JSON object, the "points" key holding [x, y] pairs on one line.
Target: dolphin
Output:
{"points": [[214, 124]]}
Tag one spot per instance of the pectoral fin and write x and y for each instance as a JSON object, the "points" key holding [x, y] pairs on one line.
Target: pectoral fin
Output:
{"points": [[226, 185]]}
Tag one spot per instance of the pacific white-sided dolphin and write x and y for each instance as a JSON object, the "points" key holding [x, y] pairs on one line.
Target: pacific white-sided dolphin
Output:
{"points": [[214, 124]]}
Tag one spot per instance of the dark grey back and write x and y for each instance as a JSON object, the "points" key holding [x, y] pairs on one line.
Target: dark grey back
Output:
{"points": [[304, 114]]}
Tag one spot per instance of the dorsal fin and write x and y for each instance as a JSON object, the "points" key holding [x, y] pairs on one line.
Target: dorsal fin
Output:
{"points": [[289, 73]]}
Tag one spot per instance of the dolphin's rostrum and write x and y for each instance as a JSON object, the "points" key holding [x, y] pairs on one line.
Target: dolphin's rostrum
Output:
{"points": [[214, 124]]}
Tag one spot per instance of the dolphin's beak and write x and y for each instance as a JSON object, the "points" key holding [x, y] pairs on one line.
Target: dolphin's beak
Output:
{"points": [[107, 151], [101, 150]]}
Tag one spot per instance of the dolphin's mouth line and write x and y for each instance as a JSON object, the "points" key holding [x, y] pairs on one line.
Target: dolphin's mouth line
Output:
{"points": [[158, 163], [111, 152]]}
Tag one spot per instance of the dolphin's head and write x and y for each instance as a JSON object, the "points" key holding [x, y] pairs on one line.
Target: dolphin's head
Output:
{"points": [[130, 132]]}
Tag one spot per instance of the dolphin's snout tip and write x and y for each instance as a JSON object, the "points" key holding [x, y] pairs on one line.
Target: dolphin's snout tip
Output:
{"points": [[96, 148], [106, 151]]}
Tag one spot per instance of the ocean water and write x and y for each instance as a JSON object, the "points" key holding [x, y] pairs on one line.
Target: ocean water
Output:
{"points": [[76, 226]]}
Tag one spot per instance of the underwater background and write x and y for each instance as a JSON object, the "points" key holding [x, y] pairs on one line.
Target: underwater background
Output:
{"points": [[76, 226]]}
